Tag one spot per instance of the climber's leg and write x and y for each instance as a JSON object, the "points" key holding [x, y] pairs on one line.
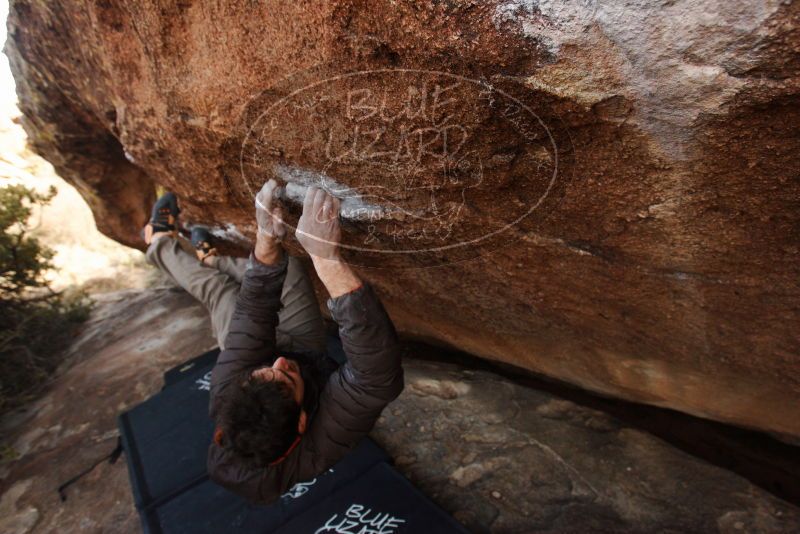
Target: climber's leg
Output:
{"points": [[300, 326], [233, 267], [215, 290], [215, 280]]}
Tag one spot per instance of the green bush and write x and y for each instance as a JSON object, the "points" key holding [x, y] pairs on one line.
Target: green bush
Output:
{"points": [[35, 322]]}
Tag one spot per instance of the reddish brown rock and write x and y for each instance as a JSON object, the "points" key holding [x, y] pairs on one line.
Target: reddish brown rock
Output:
{"points": [[606, 194]]}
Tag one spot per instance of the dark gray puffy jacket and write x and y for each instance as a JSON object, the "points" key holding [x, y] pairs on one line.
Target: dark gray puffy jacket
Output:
{"points": [[349, 404]]}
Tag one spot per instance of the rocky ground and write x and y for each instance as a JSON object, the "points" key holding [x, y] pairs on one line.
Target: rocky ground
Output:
{"points": [[500, 456]]}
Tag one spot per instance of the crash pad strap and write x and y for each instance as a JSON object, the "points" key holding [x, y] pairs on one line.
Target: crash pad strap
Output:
{"points": [[112, 457]]}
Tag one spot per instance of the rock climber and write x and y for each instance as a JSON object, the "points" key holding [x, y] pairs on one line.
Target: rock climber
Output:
{"points": [[284, 412]]}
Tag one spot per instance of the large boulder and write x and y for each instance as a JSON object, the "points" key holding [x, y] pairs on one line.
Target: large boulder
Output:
{"points": [[603, 192]]}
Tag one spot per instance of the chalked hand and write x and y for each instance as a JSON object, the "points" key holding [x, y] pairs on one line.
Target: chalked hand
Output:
{"points": [[269, 215], [271, 228], [318, 230]]}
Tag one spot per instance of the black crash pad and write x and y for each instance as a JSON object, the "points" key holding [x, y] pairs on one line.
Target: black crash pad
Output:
{"points": [[166, 441], [380, 501], [166, 438], [207, 508], [205, 361]]}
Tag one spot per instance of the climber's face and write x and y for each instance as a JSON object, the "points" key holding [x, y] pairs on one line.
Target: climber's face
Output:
{"points": [[286, 371]]}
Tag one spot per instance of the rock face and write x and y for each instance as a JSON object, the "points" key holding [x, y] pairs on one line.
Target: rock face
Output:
{"points": [[603, 192], [499, 456]]}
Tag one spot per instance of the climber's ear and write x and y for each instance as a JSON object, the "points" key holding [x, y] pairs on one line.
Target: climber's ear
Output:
{"points": [[302, 422]]}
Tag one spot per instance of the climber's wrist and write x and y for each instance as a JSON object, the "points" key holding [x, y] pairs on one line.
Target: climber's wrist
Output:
{"points": [[336, 275], [268, 250]]}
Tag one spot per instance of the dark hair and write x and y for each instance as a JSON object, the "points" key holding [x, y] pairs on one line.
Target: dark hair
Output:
{"points": [[259, 421]]}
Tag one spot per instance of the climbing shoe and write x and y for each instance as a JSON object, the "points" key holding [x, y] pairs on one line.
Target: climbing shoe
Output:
{"points": [[165, 213], [201, 241]]}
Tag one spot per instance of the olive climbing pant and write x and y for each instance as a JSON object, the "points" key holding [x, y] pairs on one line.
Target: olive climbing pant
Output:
{"points": [[300, 325]]}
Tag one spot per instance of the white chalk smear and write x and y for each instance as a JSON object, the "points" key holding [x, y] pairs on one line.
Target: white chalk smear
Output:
{"points": [[229, 232], [352, 204]]}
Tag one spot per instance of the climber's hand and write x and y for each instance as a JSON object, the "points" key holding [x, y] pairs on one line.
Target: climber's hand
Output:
{"points": [[318, 230], [320, 234], [269, 215], [271, 228]]}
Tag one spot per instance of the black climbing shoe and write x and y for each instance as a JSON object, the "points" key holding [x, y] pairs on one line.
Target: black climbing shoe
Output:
{"points": [[165, 213], [201, 241]]}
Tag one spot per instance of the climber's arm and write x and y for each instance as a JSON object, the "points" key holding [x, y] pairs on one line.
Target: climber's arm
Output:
{"points": [[250, 341], [372, 377]]}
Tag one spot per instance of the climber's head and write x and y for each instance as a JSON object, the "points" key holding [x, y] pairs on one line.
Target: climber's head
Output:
{"points": [[264, 418]]}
